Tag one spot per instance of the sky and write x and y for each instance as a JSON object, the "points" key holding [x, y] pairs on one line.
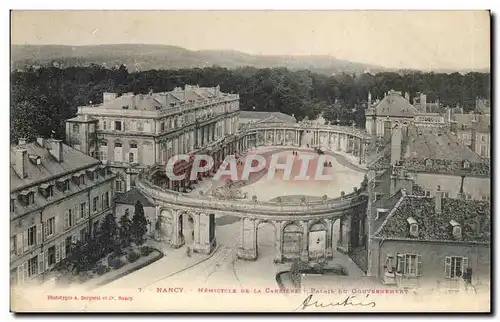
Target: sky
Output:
{"points": [[423, 40]]}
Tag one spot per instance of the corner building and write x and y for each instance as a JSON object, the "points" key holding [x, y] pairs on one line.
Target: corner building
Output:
{"points": [[58, 196]]}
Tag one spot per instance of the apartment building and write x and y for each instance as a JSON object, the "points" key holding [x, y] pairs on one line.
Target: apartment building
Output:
{"points": [[58, 195]]}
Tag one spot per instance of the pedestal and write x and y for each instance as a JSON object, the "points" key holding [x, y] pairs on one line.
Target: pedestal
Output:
{"points": [[247, 254], [203, 248]]}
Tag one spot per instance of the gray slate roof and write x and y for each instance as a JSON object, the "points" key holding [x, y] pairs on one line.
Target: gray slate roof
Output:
{"points": [[130, 198]]}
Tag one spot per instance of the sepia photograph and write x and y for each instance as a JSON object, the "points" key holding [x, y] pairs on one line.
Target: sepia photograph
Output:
{"points": [[250, 161]]}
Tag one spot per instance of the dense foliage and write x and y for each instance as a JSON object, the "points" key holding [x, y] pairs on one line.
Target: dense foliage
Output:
{"points": [[43, 98]]}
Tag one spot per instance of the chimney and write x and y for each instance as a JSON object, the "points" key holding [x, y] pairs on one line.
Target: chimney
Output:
{"points": [[448, 115], [423, 102], [40, 141], [56, 149], [396, 137], [20, 161], [438, 199], [374, 125], [369, 100]]}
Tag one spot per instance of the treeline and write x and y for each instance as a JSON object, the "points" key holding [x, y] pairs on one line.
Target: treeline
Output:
{"points": [[42, 99]]}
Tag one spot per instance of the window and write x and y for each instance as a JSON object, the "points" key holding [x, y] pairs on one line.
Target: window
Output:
{"points": [[446, 194], [64, 185], [455, 266], [105, 200], [140, 127], [457, 230], [485, 198], [162, 126], [409, 264], [131, 158], [483, 138], [427, 193], [119, 185], [95, 201], [12, 205], [466, 164], [33, 266], [103, 152], [414, 229], [118, 125], [84, 234], [69, 219], [52, 255], [83, 209], [50, 227], [104, 125], [67, 246], [428, 163], [49, 192], [31, 236], [76, 128]]}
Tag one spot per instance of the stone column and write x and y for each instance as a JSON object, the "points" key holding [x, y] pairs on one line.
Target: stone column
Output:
{"points": [[329, 234], [157, 152], [248, 250], [304, 254], [197, 229], [175, 240], [278, 256]]}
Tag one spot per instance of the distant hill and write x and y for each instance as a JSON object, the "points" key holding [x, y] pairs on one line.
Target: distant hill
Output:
{"points": [[138, 57]]}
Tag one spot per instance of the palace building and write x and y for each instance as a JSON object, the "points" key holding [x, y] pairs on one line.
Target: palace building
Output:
{"points": [[130, 132], [58, 195]]}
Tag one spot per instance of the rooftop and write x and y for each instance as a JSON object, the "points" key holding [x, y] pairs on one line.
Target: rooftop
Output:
{"points": [[466, 122], [49, 168], [438, 144], [395, 105], [473, 216], [268, 116], [131, 197]]}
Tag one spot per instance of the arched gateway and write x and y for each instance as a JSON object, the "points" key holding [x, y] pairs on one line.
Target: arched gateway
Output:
{"points": [[302, 229]]}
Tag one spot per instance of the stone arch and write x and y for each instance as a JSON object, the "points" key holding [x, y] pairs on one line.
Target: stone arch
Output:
{"points": [[186, 223], [318, 235], [164, 226], [292, 235], [258, 223]]}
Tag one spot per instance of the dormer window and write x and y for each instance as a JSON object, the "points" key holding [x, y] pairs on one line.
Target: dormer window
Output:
{"points": [[63, 184], [47, 190], [456, 229], [413, 226], [466, 164], [26, 197], [35, 159], [428, 163]]}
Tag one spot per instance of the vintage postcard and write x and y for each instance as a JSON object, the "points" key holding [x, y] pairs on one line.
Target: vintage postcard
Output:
{"points": [[250, 161]]}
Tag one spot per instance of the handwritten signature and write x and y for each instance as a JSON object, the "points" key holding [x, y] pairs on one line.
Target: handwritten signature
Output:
{"points": [[350, 300]]}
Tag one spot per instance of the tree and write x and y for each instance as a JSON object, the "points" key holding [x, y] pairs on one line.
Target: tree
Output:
{"points": [[139, 223], [107, 233], [125, 230]]}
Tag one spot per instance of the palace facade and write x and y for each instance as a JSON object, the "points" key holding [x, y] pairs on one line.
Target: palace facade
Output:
{"points": [[130, 132]]}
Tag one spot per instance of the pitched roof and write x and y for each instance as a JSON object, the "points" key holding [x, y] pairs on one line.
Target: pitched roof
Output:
{"points": [[268, 116], [466, 122], [49, 168], [131, 197], [395, 105], [483, 106], [432, 226], [438, 144], [143, 102]]}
